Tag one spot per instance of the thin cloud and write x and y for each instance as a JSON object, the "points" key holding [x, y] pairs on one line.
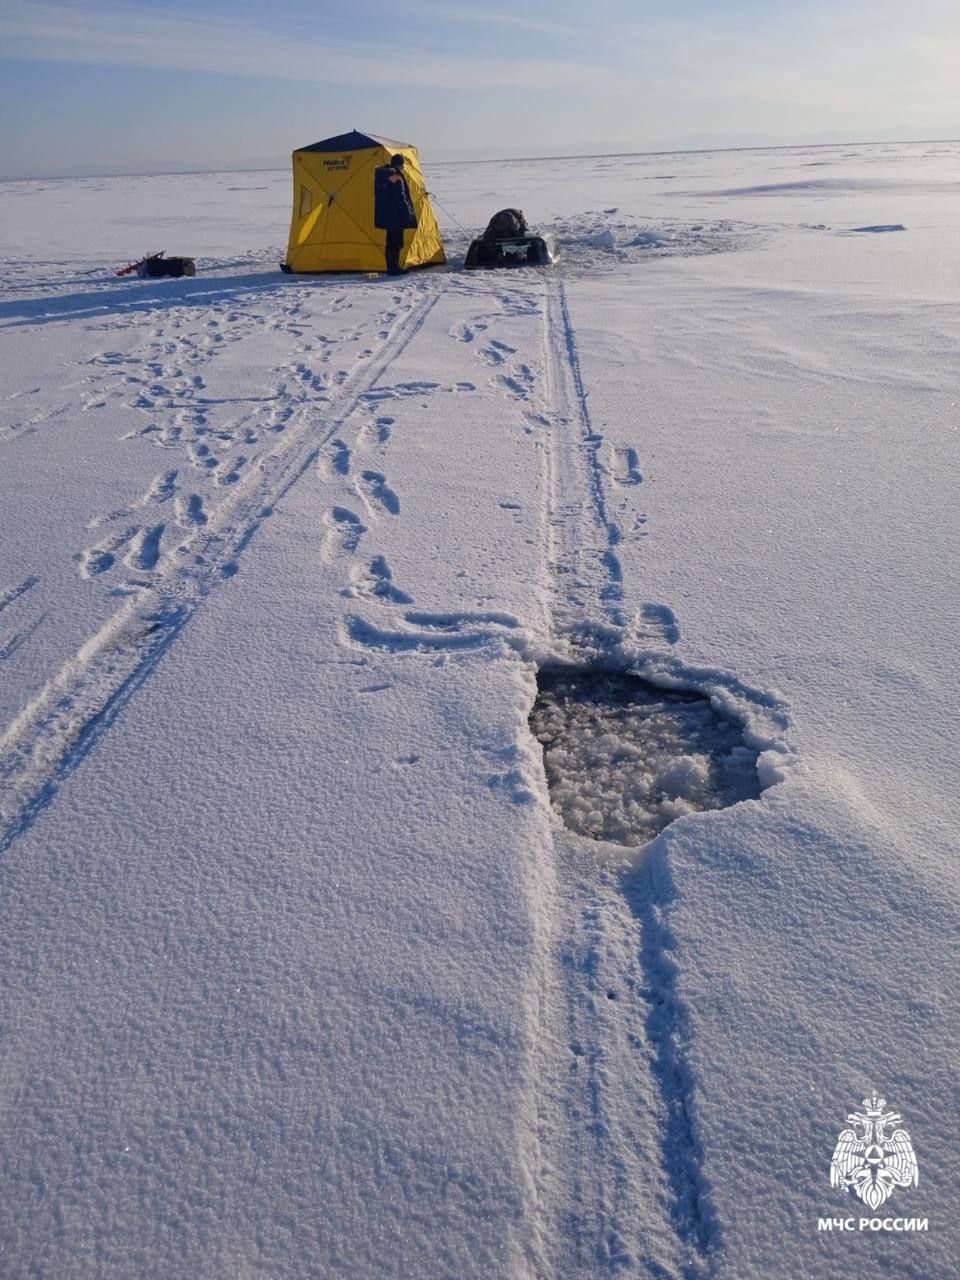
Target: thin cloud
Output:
{"points": [[112, 35], [492, 20]]}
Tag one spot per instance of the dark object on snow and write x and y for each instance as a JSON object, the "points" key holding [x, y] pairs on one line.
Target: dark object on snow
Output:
{"points": [[157, 264], [505, 225], [513, 251], [507, 242], [130, 267]]}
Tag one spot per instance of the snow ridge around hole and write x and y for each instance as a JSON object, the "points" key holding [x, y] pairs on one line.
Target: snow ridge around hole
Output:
{"points": [[624, 758]]}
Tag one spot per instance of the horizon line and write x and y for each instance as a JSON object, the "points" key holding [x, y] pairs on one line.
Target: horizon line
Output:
{"points": [[585, 155]]}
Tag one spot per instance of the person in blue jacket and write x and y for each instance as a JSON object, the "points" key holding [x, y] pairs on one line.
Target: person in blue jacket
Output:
{"points": [[393, 210]]}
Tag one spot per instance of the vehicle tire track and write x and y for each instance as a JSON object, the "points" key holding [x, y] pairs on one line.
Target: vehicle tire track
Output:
{"points": [[79, 703]]}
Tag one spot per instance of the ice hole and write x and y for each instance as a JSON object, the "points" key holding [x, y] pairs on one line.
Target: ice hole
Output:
{"points": [[624, 758]]}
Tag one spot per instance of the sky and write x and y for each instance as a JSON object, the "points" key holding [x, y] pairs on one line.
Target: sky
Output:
{"points": [[120, 86]]}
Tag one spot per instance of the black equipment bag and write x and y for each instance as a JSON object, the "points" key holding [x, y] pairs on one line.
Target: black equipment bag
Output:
{"points": [[159, 265]]}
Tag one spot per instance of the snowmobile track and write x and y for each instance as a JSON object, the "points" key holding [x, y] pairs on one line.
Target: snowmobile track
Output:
{"points": [[583, 535], [607, 987]]}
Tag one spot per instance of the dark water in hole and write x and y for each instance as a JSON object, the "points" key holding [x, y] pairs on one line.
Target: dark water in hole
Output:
{"points": [[624, 759]]}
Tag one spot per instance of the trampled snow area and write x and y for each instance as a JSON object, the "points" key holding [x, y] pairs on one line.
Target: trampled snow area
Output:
{"points": [[301, 973]]}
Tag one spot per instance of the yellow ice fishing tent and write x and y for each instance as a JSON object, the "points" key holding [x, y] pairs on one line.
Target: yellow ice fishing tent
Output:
{"points": [[332, 225]]}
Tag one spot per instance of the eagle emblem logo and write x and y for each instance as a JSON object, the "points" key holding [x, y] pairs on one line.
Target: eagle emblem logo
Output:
{"points": [[868, 1160]]}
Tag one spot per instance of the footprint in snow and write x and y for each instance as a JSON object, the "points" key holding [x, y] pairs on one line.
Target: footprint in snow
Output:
{"points": [[145, 552], [373, 487], [376, 582], [229, 472], [337, 461], [162, 488], [189, 511], [98, 559], [658, 622], [627, 467], [496, 353], [518, 384], [430, 632], [467, 332], [343, 530], [202, 458]]}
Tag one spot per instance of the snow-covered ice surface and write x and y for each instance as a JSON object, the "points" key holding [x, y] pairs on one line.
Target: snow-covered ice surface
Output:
{"points": [[300, 975]]}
